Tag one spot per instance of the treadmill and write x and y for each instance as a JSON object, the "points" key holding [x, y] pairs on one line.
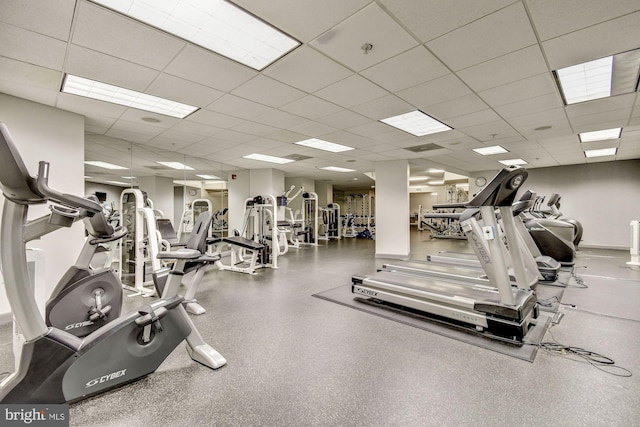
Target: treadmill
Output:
{"points": [[495, 308], [545, 267]]}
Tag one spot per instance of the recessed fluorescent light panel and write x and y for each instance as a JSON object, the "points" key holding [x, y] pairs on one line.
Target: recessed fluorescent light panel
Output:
{"points": [[601, 152], [324, 145], [337, 169], [126, 184], [513, 162], [587, 81], [416, 123], [487, 151], [600, 135], [176, 165], [208, 176], [270, 159], [129, 98], [129, 177], [419, 178], [216, 25], [104, 165]]}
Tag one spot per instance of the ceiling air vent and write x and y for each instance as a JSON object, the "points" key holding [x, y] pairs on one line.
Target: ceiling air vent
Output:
{"points": [[157, 168], [297, 157], [424, 147]]}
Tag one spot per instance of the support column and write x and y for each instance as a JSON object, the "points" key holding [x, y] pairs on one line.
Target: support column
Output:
{"points": [[160, 190], [392, 209]]}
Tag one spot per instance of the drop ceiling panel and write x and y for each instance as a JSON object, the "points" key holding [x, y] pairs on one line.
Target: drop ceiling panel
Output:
{"points": [[100, 29], [542, 118], [369, 25], [167, 143], [435, 91], [311, 128], [267, 91], [238, 107], [181, 90], [311, 107], [29, 81], [280, 119], [460, 106], [352, 91], [254, 128], [472, 119], [606, 120], [555, 18], [530, 87], [133, 115], [384, 107], [97, 125], [343, 119], [130, 132], [607, 38], [108, 69], [287, 136], [89, 107], [504, 31], [601, 105], [212, 118], [196, 64], [408, 69], [303, 19], [489, 131], [51, 18], [307, 70], [196, 128], [428, 20], [350, 139], [529, 106], [235, 136], [33, 48], [505, 69]]}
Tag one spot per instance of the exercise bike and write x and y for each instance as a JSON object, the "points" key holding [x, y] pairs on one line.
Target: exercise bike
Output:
{"points": [[56, 366], [85, 299]]}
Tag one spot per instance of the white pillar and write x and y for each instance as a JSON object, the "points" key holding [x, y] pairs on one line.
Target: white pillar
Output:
{"points": [[238, 186], [160, 190], [392, 209]]}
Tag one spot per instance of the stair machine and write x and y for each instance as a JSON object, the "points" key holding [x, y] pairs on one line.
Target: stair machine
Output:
{"points": [[497, 309], [58, 367]]}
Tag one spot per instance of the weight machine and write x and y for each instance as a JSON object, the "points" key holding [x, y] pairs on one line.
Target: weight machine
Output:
{"points": [[140, 246], [329, 222]]}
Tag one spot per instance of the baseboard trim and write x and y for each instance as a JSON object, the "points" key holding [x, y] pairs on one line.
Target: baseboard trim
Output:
{"points": [[588, 246], [392, 256]]}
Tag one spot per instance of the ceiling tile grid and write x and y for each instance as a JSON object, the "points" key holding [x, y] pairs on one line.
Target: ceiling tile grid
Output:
{"points": [[484, 68]]}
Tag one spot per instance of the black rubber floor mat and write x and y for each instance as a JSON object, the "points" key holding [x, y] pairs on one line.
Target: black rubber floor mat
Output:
{"points": [[342, 295]]}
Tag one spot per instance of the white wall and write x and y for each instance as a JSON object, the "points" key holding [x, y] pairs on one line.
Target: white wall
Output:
{"points": [[160, 190], [44, 133], [325, 193], [266, 181], [392, 209], [604, 197]]}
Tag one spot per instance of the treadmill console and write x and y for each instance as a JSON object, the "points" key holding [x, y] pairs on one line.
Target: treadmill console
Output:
{"points": [[502, 189]]}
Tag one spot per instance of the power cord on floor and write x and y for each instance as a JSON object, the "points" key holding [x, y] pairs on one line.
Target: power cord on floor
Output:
{"points": [[550, 302], [579, 282], [580, 355]]}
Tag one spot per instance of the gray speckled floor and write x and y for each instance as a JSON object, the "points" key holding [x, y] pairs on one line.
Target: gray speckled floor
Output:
{"points": [[295, 360]]}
